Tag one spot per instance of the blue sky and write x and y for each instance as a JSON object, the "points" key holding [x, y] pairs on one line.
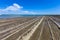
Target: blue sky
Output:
{"points": [[30, 7]]}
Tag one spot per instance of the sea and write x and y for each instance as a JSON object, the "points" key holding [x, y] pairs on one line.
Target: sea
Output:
{"points": [[4, 16]]}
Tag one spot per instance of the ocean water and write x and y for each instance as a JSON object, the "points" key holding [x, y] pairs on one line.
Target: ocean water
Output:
{"points": [[13, 16], [8, 16]]}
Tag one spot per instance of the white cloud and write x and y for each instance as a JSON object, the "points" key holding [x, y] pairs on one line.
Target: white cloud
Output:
{"points": [[14, 7], [26, 11]]}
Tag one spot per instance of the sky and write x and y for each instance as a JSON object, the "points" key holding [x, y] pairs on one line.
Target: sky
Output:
{"points": [[34, 7]]}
